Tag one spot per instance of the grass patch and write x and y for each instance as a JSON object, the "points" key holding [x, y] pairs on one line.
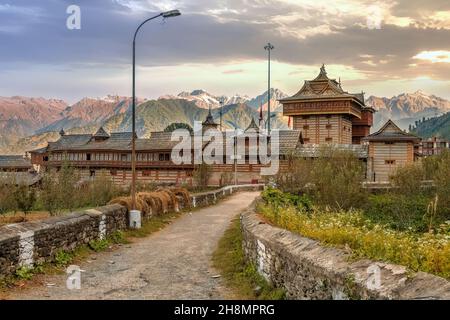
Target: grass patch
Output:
{"points": [[242, 277]]}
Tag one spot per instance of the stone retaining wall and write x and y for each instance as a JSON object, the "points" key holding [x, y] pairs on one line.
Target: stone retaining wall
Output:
{"points": [[30, 243], [307, 270], [211, 197]]}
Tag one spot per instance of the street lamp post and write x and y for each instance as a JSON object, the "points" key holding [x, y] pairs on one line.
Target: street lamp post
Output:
{"points": [[168, 14], [269, 47]]}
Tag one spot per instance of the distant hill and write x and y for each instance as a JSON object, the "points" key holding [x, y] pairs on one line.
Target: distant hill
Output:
{"points": [[89, 112], [153, 115], [407, 108], [434, 127], [22, 116]]}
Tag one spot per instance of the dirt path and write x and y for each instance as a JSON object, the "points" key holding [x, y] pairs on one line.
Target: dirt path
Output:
{"points": [[174, 263]]}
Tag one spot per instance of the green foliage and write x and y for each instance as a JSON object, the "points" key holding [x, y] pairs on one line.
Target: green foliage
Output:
{"points": [[278, 199], [407, 180], [434, 127], [202, 174], [398, 211], [25, 198], [442, 182], [99, 245], [51, 194], [336, 178], [96, 192], [118, 237], [24, 273], [63, 258], [297, 175], [7, 199], [242, 277]]}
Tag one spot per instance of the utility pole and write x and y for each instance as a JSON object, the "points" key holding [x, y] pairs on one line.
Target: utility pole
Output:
{"points": [[269, 47]]}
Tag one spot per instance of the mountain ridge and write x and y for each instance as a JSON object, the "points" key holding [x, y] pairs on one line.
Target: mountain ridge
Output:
{"points": [[114, 114]]}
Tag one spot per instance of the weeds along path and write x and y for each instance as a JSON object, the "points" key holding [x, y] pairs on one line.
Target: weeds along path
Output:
{"points": [[174, 263]]}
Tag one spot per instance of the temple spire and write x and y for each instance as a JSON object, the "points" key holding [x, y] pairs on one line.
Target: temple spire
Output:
{"points": [[323, 74]]}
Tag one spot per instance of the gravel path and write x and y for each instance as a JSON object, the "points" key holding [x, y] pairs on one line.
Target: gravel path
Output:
{"points": [[174, 263]]}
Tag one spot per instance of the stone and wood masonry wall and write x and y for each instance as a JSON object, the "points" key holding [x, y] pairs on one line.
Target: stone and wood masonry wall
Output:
{"points": [[30, 243], [307, 270]]}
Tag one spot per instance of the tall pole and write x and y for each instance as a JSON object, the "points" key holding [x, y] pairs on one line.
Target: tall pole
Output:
{"points": [[221, 113], [269, 47], [167, 14], [235, 157]]}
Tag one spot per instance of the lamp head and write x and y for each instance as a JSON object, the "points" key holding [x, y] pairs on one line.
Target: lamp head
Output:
{"points": [[171, 13]]}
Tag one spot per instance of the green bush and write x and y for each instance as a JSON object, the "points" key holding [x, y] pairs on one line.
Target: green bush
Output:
{"points": [[279, 199], [63, 258], [7, 199], [337, 177], [407, 180], [99, 245], [399, 212]]}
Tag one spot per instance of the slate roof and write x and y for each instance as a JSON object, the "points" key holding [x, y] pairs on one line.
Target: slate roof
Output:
{"points": [[160, 141], [323, 87], [101, 133], [314, 150], [391, 132], [13, 161], [252, 126]]}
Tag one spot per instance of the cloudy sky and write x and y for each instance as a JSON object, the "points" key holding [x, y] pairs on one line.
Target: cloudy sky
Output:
{"points": [[382, 47]]}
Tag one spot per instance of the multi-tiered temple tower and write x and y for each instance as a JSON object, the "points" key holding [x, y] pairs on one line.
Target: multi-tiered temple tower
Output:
{"points": [[325, 113]]}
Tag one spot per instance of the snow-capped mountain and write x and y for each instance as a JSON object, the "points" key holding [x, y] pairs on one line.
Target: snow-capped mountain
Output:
{"points": [[406, 108], [205, 100]]}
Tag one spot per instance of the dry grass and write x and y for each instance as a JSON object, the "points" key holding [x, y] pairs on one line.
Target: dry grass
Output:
{"points": [[156, 202], [21, 217]]}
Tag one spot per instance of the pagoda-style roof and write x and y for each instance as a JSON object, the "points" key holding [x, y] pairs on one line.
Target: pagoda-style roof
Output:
{"points": [[101, 134], [322, 87], [391, 132], [209, 121], [252, 126]]}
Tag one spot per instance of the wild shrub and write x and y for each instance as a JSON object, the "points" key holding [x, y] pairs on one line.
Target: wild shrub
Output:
{"points": [[441, 179], [399, 212], [7, 199], [297, 175], [407, 180], [201, 175], [25, 198], [337, 177], [281, 199], [51, 194]]}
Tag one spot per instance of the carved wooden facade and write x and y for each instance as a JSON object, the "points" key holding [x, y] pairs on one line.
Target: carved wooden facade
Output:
{"points": [[325, 113]]}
